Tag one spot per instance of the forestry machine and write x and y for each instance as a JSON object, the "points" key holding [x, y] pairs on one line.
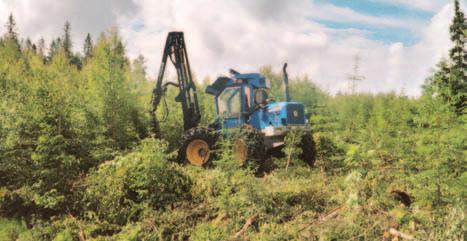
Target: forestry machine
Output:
{"points": [[244, 112]]}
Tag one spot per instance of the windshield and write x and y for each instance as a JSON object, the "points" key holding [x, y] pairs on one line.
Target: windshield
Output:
{"points": [[230, 101]]}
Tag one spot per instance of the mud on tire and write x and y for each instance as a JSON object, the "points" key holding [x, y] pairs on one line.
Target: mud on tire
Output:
{"points": [[248, 146]]}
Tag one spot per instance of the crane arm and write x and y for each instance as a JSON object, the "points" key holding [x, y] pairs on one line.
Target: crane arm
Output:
{"points": [[175, 50]]}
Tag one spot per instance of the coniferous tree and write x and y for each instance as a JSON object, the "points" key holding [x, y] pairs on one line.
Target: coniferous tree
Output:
{"points": [[11, 28], [41, 48], [12, 64], [458, 53], [436, 83], [67, 43], [11, 34], [55, 46], [138, 72], [88, 46], [67, 46], [458, 56], [449, 80], [28, 45]]}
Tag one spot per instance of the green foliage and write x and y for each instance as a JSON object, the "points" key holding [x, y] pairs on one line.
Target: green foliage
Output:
{"points": [[292, 148], [51, 131], [76, 163], [329, 155], [11, 230], [449, 80], [144, 178], [107, 91]]}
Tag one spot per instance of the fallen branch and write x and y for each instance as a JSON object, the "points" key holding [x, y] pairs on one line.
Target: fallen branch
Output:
{"points": [[324, 218], [245, 227], [396, 233], [330, 215]]}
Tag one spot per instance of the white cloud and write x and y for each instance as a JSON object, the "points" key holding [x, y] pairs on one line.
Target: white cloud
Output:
{"points": [[3, 9], [47, 17], [246, 35], [426, 5], [341, 14], [423, 56]]}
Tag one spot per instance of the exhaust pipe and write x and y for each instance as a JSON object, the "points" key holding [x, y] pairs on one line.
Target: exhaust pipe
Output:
{"points": [[286, 83]]}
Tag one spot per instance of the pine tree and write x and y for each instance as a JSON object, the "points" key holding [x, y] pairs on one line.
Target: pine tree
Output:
{"points": [[41, 48], [138, 72], [67, 46], [449, 80], [67, 43], [88, 46], [436, 83], [28, 45], [11, 28], [458, 56], [13, 66], [11, 34], [458, 53], [54, 48]]}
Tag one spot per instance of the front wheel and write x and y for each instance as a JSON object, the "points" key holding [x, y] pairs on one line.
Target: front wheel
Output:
{"points": [[196, 146]]}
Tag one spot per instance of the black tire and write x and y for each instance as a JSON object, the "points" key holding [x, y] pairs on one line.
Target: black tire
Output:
{"points": [[196, 146], [248, 147], [308, 149]]}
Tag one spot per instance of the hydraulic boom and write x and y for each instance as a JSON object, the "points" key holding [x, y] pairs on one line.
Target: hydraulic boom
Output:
{"points": [[175, 50]]}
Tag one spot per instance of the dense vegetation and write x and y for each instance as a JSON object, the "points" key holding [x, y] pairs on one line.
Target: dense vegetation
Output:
{"points": [[77, 161]]}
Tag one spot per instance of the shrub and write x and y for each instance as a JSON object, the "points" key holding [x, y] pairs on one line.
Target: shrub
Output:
{"points": [[119, 190], [11, 230]]}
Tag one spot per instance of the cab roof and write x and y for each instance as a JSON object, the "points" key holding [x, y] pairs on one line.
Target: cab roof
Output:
{"points": [[253, 79]]}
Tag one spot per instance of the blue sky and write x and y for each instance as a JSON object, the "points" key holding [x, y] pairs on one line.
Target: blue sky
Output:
{"points": [[380, 9]]}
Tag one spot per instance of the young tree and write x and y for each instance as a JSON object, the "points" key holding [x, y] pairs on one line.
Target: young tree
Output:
{"points": [[67, 43], [54, 48], [109, 93], [11, 36], [11, 28], [87, 48], [28, 45], [138, 72], [13, 66], [41, 48]]}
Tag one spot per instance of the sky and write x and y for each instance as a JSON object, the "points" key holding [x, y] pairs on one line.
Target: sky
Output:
{"points": [[398, 41]]}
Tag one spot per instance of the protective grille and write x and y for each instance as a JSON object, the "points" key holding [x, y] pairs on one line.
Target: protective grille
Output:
{"points": [[295, 114]]}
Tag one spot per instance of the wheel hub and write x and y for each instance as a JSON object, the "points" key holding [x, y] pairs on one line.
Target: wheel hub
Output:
{"points": [[197, 152]]}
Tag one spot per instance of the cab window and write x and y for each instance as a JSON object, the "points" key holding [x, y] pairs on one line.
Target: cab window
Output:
{"points": [[229, 102]]}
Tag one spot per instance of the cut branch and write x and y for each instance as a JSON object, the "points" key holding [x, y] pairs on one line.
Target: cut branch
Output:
{"points": [[245, 227]]}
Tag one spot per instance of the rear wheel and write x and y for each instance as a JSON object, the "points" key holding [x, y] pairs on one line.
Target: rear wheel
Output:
{"points": [[248, 146], [308, 149], [196, 146]]}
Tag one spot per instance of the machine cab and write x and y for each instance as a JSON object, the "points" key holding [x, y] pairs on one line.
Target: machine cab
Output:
{"points": [[236, 98]]}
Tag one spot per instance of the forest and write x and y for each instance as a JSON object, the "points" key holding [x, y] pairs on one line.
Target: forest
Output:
{"points": [[78, 162]]}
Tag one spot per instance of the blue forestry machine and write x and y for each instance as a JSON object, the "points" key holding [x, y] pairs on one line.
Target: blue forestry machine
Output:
{"points": [[241, 103]]}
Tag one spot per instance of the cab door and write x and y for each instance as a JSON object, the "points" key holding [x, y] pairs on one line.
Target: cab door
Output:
{"points": [[231, 106]]}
